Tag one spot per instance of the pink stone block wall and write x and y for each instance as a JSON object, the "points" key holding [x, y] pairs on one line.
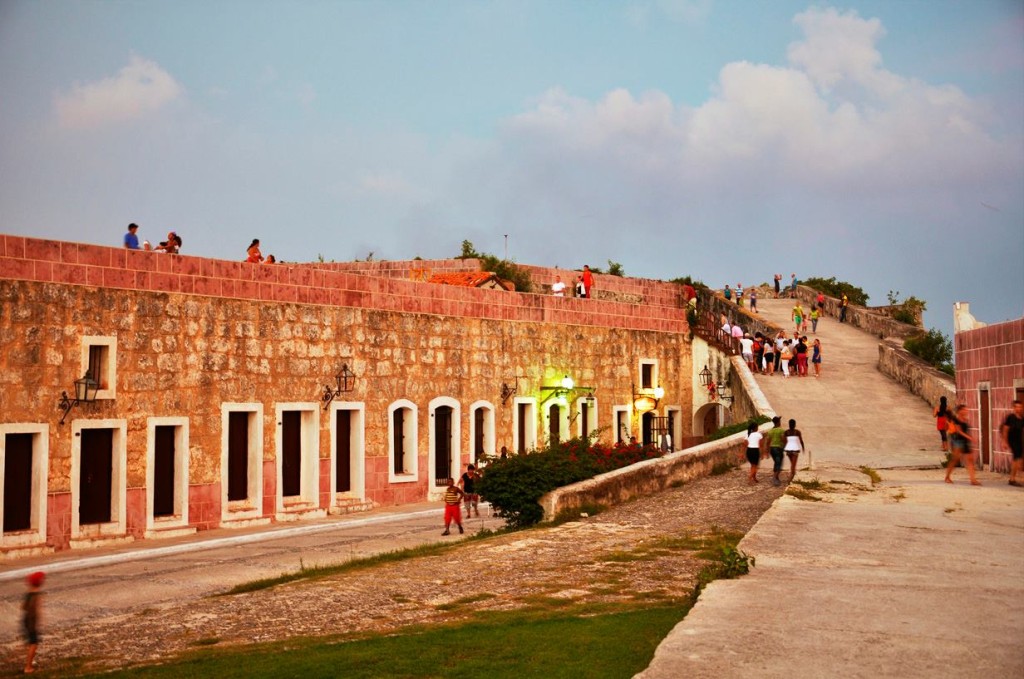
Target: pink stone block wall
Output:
{"points": [[204, 507], [58, 520], [269, 487], [135, 512], [991, 357]]}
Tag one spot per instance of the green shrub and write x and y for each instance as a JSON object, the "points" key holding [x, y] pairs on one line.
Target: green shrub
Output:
{"points": [[615, 269], [502, 268], [515, 485], [932, 347], [834, 288], [907, 311]]}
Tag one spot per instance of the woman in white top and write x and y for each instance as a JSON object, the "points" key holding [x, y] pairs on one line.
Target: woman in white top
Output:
{"points": [[754, 440], [794, 444]]}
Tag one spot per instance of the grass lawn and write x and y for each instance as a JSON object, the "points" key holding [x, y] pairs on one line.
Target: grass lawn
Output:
{"points": [[569, 643]]}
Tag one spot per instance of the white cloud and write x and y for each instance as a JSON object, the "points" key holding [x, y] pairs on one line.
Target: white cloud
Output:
{"points": [[834, 118], [138, 89]]}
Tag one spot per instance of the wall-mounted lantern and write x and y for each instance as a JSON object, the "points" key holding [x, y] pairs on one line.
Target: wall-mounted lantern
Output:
{"points": [[565, 389], [508, 392], [705, 376], [345, 381], [85, 392]]}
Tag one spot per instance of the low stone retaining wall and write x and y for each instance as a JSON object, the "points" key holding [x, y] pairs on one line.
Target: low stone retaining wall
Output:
{"points": [[867, 320], [651, 476], [644, 478], [913, 373]]}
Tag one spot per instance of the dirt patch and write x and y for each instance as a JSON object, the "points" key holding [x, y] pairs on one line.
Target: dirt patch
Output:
{"points": [[624, 554]]}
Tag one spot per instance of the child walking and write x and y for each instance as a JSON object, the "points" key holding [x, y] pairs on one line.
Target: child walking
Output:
{"points": [[30, 617], [452, 507]]}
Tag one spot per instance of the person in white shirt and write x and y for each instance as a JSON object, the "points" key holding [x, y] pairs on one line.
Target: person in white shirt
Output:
{"points": [[747, 350], [754, 442], [558, 287]]}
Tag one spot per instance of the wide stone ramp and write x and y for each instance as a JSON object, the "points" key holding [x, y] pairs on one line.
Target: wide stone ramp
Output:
{"points": [[909, 577]]}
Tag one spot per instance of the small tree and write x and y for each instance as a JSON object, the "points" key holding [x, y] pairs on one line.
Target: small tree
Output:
{"points": [[468, 251], [933, 347], [615, 269]]}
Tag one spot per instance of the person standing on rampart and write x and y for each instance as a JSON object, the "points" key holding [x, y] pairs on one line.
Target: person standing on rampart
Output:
{"points": [[558, 287], [842, 308], [588, 281], [131, 240]]}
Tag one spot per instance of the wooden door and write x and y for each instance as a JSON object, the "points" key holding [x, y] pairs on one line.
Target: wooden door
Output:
{"points": [[163, 471], [585, 415], [238, 456], [291, 453], [554, 424], [343, 449], [442, 445], [398, 426], [711, 421], [18, 482], [985, 426], [96, 478], [647, 429], [523, 414], [478, 434]]}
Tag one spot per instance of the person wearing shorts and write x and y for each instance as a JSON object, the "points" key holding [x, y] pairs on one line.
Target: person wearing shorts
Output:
{"points": [[754, 442], [469, 494], [960, 441], [452, 509], [1012, 432], [794, 445]]}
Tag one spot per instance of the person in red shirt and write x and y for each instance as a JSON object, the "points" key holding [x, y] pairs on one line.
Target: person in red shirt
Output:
{"points": [[588, 280]]}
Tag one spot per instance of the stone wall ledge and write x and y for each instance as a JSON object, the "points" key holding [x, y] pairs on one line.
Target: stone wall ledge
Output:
{"points": [[878, 324], [644, 478], [62, 263], [913, 373]]}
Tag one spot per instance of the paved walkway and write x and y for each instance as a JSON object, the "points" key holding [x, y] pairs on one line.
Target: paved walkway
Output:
{"points": [[910, 578], [111, 581]]}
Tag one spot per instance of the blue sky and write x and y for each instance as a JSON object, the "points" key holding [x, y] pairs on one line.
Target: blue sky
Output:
{"points": [[879, 142]]}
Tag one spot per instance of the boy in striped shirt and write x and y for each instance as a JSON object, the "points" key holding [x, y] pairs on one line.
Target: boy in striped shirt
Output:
{"points": [[452, 507]]}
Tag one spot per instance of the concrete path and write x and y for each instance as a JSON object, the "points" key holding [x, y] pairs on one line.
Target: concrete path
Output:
{"points": [[113, 581], [911, 577]]}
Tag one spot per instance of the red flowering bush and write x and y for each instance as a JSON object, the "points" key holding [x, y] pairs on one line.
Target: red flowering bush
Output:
{"points": [[515, 485]]}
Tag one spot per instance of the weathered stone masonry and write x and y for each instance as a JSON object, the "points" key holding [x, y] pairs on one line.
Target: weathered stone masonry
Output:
{"points": [[181, 356]]}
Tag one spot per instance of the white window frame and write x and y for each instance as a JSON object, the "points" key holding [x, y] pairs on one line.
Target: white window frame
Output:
{"points": [[110, 369], [592, 425], [118, 483], [628, 410], [181, 470], [563, 419], [456, 466], [677, 425], [488, 409], [411, 433], [252, 507], [309, 465], [531, 425], [357, 466], [36, 533], [655, 377]]}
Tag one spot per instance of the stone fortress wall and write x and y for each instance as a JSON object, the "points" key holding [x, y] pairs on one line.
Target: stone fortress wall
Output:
{"points": [[193, 334]]}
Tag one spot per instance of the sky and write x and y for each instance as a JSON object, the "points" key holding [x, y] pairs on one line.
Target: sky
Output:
{"points": [[880, 142]]}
